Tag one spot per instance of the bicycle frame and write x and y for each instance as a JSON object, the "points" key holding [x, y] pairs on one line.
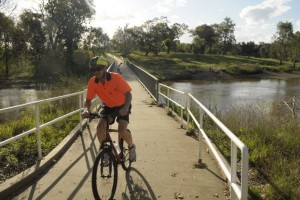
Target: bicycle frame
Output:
{"points": [[120, 142]]}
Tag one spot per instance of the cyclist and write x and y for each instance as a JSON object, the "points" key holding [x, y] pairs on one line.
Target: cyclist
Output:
{"points": [[115, 93]]}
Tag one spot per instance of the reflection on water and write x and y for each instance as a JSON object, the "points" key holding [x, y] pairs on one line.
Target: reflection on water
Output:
{"points": [[227, 93], [12, 97]]}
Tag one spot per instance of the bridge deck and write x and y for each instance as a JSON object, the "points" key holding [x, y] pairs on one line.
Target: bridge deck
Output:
{"points": [[166, 161]]}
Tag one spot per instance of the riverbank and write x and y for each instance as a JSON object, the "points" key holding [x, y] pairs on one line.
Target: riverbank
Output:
{"points": [[209, 75]]}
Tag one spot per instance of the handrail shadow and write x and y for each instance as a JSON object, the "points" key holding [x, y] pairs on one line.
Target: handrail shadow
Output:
{"points": [[86, 149]]}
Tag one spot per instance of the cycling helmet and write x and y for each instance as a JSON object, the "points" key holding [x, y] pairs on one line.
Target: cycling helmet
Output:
{"points": [[98, 61]]}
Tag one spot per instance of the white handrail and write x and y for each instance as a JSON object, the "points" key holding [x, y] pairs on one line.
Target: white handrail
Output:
{"points": [[37, 114], [167, 96], [238, 188]]}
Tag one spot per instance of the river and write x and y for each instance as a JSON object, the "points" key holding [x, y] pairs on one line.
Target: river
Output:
{"points": [[220, 93], [225, 94]]}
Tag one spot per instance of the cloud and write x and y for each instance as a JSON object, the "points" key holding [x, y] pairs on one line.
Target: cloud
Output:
{"points": [[255, 33], [114, 17], [264, 11], [165, 6], [180, 3]]}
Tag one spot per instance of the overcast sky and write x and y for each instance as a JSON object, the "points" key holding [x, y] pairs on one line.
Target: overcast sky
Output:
{"points": [[255, 20]]}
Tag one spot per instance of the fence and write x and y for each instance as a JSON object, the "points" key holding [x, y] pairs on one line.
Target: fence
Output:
{"points": [[39, 126], [149, 81], [238, 188]]}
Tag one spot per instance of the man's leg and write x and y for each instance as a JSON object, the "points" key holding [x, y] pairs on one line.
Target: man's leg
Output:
{"points": [[101, 128], [128, 139], [123, 132]]}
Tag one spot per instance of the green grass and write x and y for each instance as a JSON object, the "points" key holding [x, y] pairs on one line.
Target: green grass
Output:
{"points": [[184, 65]]}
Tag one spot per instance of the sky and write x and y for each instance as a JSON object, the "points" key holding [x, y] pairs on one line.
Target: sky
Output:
{"points": [[256, 20]]}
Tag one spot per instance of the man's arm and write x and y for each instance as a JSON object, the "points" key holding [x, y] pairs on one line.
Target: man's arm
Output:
{"points": [[125, 108], [87, 110]]}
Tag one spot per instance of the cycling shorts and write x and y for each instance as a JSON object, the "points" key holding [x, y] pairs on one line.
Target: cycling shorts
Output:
{"points": [[114, 113]]}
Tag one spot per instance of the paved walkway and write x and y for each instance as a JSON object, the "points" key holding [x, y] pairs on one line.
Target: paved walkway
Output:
{"points": [[166, 166]]}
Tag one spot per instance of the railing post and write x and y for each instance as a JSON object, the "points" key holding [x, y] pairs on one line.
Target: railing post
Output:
{"points": [[37, 123], [233, 169], [168, 95], [157, 90], [200, 140], [189, 109], [80, 106]]}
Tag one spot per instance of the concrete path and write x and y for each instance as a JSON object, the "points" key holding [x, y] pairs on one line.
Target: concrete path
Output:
{"points": [[166, 166]]}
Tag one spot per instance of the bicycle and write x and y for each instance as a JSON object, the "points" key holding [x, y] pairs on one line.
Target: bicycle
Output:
{"points": [[105, 168]]}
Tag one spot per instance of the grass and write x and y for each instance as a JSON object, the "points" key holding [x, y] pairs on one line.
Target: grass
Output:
{"points": [[184, 65], [274, 150]]}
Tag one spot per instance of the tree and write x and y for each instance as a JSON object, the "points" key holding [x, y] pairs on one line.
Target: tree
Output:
{"points": [[168, 42], [152, 34], [225, 32], [6, 35], [123, 40], [174, 32], [198, 46], [294, 48], [249, 49], [207, 34], [69, 17], [31, 25], [95, 40], [282, 39], [264, 50]]}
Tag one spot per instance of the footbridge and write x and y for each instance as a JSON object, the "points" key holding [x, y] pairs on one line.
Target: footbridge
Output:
{"points": [[170, 164]]}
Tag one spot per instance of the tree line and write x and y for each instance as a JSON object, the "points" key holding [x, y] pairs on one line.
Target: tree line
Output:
{"points": [[57, 38]]}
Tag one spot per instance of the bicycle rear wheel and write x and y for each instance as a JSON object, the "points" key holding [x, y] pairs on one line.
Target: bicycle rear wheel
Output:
{"points": [[104, 175]]}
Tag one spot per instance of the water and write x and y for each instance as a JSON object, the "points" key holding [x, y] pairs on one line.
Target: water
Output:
{"points": [[223, 94], [15, 96], [227, 93]]}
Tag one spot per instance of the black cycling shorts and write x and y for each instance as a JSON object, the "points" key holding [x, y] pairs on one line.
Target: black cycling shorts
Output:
{"points": [[114, 112]]}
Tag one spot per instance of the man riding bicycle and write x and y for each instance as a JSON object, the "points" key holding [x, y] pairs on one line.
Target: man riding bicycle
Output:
{"points": [[115, 93]]}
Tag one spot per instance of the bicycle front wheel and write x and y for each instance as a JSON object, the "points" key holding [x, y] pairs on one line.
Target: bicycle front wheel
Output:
{"points": [[126, 164], [104, 175]]}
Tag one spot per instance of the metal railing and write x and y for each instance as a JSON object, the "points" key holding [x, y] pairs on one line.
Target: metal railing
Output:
{"points": [[40, 126], [149, 81], [238, 188], [169, 94]]}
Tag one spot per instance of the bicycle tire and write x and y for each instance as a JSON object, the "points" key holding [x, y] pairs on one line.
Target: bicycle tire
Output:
{"points": [[126, 163], [104, 175]]}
